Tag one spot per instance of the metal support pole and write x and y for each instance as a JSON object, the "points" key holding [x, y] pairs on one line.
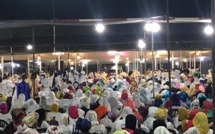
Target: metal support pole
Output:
{"points": [[213, 57], [168, 48], [137, 60], [33, 44], [12, 64], [97, 63], [145, 52], [2, 63], [155, 63], [194, 61], [76, 62], [181, 60], [58, 60], [28, 62], [172, 60], [153, 79], [190, 62]]}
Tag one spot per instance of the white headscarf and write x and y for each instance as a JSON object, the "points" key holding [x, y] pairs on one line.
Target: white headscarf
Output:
{"points": [[32, 106], [43, 103], [92, 117], [51, 98], [161, 130], [104, 101], [94, 98], [136, 98], [125, 111], [23, 129], [19, 103], [85, 102], [88, 93]]}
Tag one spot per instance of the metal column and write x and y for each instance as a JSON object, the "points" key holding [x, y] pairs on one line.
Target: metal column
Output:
{"points": [[153, 79], [168, 48], [2, 63], [213, 57]]}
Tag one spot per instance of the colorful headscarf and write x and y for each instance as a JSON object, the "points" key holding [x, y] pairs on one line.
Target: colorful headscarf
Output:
{"points": [[200, 121], [192, 114], [161, 113], [183, 116], [101, 111]]}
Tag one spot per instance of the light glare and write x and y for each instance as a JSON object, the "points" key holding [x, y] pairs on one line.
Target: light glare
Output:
{"points": [[141, 44], [208, 30], [100, 28]]}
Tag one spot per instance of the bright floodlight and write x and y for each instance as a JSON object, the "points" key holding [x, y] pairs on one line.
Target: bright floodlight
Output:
{"points": [[29, 47], [100, 28], [201, 58], [177, 63], [152, 27], [141, 44], [127, 64], [208, 30]]}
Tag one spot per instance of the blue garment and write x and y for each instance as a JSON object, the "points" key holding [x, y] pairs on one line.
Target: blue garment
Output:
{"points": [[23, 88]]}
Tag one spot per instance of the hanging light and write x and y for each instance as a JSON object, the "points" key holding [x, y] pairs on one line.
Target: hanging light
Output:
{"points": [[208, 30], [78, 57], [141, 44], [100, 28], [29, 47]]}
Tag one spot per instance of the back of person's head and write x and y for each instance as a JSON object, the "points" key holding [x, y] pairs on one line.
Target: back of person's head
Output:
{"points": [[158, 123], [130, 122], [17, 116], [3, 108]]}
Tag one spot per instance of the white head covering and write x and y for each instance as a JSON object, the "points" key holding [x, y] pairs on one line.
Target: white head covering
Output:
{"points": [[64, 103], [104, 101], [88, 93], [92, 117], [23, 129], [106, 93], [52, 130], [136, 98], [94, 98], [43, 103], [85, 102], [98, 129], [152, 111], [51, 98], [81, 113], [32, 106], [194, 105], [125, 111], [63, 120], [20, 102], [79, 93], [161, 130]]}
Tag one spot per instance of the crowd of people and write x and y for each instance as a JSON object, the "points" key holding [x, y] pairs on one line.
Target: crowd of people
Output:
{"points": [[73, 102]]}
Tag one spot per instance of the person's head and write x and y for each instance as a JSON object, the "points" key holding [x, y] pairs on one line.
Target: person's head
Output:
{"points": [[17, 116], [73, 112], [101, 111], [42, 114], [3, 108], [200, 121], [182, 114], [54, 107], [161, 113], [130, 122]]}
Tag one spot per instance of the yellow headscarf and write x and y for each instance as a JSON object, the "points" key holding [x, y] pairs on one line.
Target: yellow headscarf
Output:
{"points": [[161, 113], [200, 121], [183, 116], [54, 108], [158, 96]]}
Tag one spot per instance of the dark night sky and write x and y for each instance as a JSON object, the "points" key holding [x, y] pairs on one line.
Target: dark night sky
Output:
{"points": [[86, 9]]}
